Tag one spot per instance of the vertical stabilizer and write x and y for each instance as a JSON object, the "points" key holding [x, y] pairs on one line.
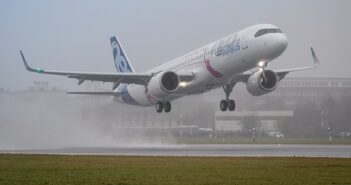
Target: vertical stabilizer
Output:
{"points": [[120, 58]]}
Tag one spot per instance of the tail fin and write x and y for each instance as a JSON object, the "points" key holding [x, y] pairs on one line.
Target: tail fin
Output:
{"points": [[120, 58]]}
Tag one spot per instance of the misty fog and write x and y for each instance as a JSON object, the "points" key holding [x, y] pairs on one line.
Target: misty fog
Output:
{"points": [[53, 120]]}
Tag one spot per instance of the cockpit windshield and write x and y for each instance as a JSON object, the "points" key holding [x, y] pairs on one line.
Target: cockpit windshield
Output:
{"points": [[265, 31]]}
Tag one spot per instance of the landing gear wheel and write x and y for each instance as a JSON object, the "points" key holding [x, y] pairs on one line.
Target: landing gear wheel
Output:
{"points": [[227, 103], [231, 105], [167, 106], [159, 107], [223, 105]]}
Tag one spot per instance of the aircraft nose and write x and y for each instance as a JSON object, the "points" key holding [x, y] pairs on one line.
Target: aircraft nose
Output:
{"points": [[278, 45], [283, 42]]}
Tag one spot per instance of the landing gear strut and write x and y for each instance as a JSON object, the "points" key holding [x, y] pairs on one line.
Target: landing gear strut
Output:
{"points": [[163, 106], [227, 104]]}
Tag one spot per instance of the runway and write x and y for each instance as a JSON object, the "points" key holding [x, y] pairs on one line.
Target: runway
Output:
{"points": [[215, 150]]}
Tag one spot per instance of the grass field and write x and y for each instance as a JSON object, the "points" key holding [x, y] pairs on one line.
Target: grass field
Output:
{"points": [[117, 170], [262, 140]]}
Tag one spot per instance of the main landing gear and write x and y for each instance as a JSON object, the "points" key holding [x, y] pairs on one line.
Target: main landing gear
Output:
{"points": [[166, 106], [227, 104]]}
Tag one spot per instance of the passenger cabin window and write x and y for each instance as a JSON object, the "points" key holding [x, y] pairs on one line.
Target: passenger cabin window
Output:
{"points": [[265, 31]]}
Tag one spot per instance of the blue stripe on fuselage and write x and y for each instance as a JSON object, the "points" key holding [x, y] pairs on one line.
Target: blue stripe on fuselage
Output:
{"points": [[125, 96]]}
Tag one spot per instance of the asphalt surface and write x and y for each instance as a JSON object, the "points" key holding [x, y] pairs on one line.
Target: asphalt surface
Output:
{"points": [[225, 150]]}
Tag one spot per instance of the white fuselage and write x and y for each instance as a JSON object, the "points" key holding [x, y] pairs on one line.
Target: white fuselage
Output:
{"points": [[214, 64]]}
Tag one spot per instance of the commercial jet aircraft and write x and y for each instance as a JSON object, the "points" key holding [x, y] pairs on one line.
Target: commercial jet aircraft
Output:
{"points": [[240, 57]]}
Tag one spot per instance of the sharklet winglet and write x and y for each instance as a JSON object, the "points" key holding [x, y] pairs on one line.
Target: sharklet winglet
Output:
{"points": [[25, 63], [315, 58]]}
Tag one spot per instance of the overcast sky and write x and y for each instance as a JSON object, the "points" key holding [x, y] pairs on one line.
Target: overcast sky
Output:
{"points": [[74, 35]]}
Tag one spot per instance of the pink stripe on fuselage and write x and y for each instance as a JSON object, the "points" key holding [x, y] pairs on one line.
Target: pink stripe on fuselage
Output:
{"points": [[210, 69]]}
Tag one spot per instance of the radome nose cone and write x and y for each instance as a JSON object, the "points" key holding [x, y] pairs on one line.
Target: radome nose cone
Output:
{"points": [[284, 42], [280, 43], [275, 45]]}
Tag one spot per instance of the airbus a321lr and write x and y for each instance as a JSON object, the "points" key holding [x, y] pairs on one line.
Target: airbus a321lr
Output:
{"points": [[239, 57]]}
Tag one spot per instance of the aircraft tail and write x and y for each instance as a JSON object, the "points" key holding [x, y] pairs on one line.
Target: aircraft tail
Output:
{"points": [[120, 58]]}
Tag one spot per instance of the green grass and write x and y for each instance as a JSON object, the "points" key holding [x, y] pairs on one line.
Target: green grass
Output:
{"points": [[55, 169], [263, 140]]}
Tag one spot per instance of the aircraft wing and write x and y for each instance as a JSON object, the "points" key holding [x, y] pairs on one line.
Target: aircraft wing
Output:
{"points": [[284, 72], [116, 78], [281, 73]]}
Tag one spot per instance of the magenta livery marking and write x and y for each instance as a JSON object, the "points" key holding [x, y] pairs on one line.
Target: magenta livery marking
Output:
{"points": [[210, 69], [150, 98]]}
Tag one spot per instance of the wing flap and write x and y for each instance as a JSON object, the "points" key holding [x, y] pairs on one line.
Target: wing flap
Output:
{"points": [[129, 78]]}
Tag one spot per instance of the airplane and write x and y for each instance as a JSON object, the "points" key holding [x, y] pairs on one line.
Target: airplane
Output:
{"points": [[239, 57]]}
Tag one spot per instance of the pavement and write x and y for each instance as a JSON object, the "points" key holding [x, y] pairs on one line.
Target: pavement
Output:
{"points": [[214, 150]]}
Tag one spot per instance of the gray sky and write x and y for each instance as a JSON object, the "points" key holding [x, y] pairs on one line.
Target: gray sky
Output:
{"points": [[74, 35]]}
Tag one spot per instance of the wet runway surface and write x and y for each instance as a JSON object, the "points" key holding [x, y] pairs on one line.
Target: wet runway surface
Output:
{"points": [[226, 150]]}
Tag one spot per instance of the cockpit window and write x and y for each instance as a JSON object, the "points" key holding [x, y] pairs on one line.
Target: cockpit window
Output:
{"points": [[265, 31]]}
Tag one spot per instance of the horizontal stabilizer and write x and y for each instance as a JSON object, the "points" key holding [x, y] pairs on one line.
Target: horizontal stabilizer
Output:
{"points": [[96, 93]]}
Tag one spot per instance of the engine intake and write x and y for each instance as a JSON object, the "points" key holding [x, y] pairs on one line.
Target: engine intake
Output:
{"points": [[163, 84], [259, 83], [169, 81]]}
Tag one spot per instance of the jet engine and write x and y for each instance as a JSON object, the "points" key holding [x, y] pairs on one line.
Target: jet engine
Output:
{"points": [[262, 82], [163, 84]]}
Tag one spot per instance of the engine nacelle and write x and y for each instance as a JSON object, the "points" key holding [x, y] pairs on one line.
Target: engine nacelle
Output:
{"points": [[259, 83], [163, 84]]}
